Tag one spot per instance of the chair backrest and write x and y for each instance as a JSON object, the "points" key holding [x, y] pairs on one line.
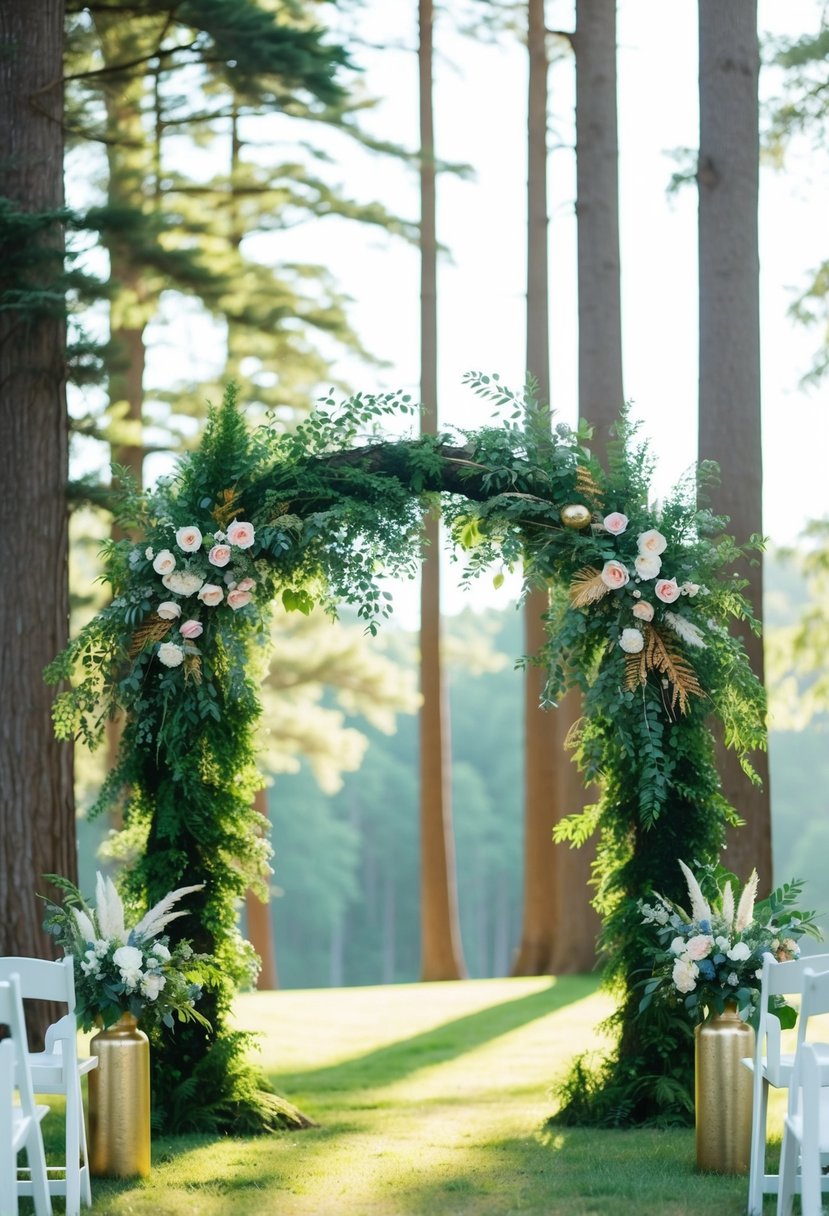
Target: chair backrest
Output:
{"points": [[41, 980], [11, 1015], [780, 979], [815, 997]]}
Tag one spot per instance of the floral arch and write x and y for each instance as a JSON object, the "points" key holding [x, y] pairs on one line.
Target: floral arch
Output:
{"points": [[639, 605]]}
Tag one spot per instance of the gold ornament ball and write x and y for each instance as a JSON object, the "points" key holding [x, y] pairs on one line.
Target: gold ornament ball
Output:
{"points": [[575, 515]]}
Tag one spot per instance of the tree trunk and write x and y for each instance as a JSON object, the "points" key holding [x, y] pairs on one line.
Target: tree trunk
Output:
{"points": [[37, 819], [729, 353], [260, 921], [542, 731], [601, 395], [441, 956]]}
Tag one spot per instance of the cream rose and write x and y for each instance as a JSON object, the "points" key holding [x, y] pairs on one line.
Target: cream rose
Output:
{"points": [[647, 565], [168, 611], [189, 539], [170, 655], [151, 985], [631, 641], [614, 574], [219, 555], [182, 582], [237, 598], [689, 589], [615, 522], [685, 975], [739, 952], [211, 595], [191, 629], [246, 584], [643, 610], [652, 542], [164, 562], [240, 534], [128, 960], [666, 589]]}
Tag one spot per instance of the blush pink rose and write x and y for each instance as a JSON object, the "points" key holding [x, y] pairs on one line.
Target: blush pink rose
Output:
{"points": [[191, 629], [699, 947], [211, 595], [240, 534], [614, 574], [667, 590], [643, 610], [237, 598], [189, 539], [247, 584], [168, 610], [219, 555], [615, 522]]}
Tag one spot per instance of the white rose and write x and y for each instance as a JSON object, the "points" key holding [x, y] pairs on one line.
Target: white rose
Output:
{"points": [[170, 655], [652, 542], [164, 562], [189, 539], [615, 523], [211, 595], [689, 589], [128, 960], [647, 565], [182, 582], [148, 553], [739, 953], [684, 975], [161, 951], [151, 985], [631, 641], [677, 946], [168, 611]]}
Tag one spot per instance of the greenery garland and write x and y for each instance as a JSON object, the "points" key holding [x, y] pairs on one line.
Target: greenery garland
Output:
{"points": [[254, 518]]}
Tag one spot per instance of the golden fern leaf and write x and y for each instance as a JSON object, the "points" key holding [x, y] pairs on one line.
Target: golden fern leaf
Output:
{"points": [[662, 656], [636, 670], [151, 631], [192, 668], [587, 486], [228, 506], [587, 587]]}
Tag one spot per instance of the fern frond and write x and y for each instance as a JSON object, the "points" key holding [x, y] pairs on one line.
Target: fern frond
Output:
{"points": [[227, 508], [587, 486], [192, 668], [661, 655], [587, 587]]}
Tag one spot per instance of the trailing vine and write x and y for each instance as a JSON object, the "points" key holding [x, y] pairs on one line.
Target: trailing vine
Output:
{"points": [[259, 520]]}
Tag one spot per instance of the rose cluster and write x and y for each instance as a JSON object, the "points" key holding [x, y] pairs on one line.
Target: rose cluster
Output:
{"points": [[206, 567], [647, 569]]}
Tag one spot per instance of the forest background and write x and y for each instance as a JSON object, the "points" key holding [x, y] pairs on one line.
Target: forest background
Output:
{"points": [[346, 882]]}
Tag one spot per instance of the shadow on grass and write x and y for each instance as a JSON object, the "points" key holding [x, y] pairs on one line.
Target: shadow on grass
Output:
{"points": [[398, 1060]]}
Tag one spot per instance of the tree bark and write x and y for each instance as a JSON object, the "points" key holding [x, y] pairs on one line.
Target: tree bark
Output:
{"points": [[441, 955], [37, 816], [729, 355], [259, 916], [543, 752]]}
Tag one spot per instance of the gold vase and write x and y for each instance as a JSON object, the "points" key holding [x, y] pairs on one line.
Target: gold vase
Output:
{"points": [[723, 1094], [119, 1102]]}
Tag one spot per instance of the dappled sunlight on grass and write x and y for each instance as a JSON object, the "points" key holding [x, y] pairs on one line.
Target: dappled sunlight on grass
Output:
{"points": [[431, 1100]]}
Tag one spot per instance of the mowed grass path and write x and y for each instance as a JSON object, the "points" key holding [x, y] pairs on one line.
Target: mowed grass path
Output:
{"points": [[430, 1099]]}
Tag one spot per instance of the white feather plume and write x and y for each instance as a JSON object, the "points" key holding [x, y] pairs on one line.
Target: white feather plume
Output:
{"points": [[109, 910], [159, 916], [745, 908], [728, 906], [686, 629], [85, 925], [699, 905]]}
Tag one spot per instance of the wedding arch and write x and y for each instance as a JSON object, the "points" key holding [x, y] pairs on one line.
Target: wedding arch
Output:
{"points": [[640, 601]]}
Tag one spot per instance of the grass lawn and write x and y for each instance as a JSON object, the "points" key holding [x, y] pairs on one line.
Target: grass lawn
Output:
{"points": [[430, 1099]]}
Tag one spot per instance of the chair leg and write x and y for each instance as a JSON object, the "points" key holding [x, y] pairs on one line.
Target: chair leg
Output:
{"points": [[757, 1168], [810, 1204], [788, 1172], [37, 1167], [86, 1186], [73, 1151]]}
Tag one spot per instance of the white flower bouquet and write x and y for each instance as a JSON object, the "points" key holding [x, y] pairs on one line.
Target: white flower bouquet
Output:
{"points": [[126, 970], [713, 956]]}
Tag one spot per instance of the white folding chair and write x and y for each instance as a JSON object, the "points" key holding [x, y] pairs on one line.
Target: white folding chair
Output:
{"points": [[58, 1070], [806, 1127], [772, 1067], [19, 1122]]}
